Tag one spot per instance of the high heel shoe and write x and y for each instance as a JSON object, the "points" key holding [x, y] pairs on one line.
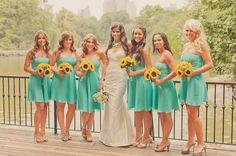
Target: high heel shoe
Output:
{"points": [[38, 138], [69, 136], [137, 141], [84, 135], [186, 150], [44, 138], [201, 152], [64, 137], [89, 136], [162, 148], [145, 142]]}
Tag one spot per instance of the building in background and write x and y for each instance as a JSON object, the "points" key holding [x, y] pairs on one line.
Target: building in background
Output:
{"points": [[84, 12], [119, 5]]}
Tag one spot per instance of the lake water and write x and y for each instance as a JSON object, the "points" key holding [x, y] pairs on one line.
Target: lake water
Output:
{"points": [[12, 65]]}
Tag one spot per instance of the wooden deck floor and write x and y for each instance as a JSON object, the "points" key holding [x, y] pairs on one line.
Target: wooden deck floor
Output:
{"points": [[18, 141]]}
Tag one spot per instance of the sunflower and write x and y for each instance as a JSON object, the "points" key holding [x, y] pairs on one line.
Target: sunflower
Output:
{"points": [[91, 67], [188, 72], [184, 69], [146, 75], [87, 66], [123, 63], [65, 67], [179, 73], [44, 69], [154, 73]]}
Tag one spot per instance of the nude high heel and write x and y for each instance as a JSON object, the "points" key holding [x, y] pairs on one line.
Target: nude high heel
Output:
{"points": [[162, 148], [89, 136], [38, 138], [84, 135], [201, 152], [137, 141], [186, 150], [145, 142]]}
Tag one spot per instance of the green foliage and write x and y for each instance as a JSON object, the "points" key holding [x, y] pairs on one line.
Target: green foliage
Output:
{"points": [[219, 20], [157, 19], [19, 21]]}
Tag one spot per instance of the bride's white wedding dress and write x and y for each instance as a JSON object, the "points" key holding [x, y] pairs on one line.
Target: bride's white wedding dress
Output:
{"points": [[117, 128]]}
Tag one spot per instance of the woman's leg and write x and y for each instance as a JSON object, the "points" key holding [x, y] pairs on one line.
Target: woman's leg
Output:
{"points": [[69, 116], [61, 118], [44, 119], [197, 125], [90, 124], [37, 121], [191, 129], [138, 125], [147, 116]]}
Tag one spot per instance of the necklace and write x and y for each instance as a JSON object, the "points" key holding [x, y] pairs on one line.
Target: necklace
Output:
{"points": [[116, 44]]}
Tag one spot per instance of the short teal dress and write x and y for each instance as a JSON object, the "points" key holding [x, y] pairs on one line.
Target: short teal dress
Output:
{"points": [[193, 90], [64, 88], [38, 87], [140, 91], [164, 95], [88, 85]]}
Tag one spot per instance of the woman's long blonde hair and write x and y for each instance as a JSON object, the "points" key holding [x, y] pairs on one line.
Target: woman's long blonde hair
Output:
{"points": [[195, 26]]}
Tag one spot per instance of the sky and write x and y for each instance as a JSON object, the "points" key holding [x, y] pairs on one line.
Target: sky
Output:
{"points": [[96, 5]]}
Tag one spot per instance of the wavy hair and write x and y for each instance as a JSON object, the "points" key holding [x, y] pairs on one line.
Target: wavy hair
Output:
{"points": [[195, 26], [123, 38], [86, 38], [165, 40], [36, 44], [137, 47], [64, 36]]}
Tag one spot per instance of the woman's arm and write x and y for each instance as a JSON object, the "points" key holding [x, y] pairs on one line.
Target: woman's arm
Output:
{"points": [[205, 54], [78, 62], [169, 60], [27, 67], [104, 61], [53, 61], [147, 61]]}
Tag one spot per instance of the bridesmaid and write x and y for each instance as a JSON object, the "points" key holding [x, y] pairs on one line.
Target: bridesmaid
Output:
{"points": [[193, 91], [139, 88], [63, 85], [89, 83], [165, 96], [39, 85]]}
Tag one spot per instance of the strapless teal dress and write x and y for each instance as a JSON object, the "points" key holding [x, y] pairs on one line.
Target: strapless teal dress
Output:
{"points": [[38, 87], [164, 95], [193, 90], [64, 88], [88, 85]]}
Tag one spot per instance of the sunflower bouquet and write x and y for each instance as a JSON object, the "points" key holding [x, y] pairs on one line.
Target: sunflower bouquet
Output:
{"points": [[184, 69], [127, 61], [44, 69], [101, 97], [151, 73], [65, 67], [87, 66]]}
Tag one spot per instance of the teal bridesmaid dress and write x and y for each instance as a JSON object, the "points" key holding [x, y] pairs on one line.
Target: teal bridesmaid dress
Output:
{"points": [[140, 94], [38, 87], [64, 88], [164, 95], [88, 85], [193, 90]]}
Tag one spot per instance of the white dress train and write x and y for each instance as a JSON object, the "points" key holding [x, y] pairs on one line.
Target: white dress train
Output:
{"points": [[117, 128]]}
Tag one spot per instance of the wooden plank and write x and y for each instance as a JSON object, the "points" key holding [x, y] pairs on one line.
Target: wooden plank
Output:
{"points": [[18, 141]]}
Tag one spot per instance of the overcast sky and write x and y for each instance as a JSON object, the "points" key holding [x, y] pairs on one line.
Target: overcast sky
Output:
{"points": [[96, 5]]}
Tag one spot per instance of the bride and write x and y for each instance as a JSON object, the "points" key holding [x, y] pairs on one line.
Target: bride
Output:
{"points": [[117, 129]]}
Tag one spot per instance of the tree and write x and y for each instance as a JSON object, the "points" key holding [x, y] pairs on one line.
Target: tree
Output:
{"points": [[219, 20]]}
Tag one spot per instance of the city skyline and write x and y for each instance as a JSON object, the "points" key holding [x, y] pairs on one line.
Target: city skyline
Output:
{"points": [[96, 6]]}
